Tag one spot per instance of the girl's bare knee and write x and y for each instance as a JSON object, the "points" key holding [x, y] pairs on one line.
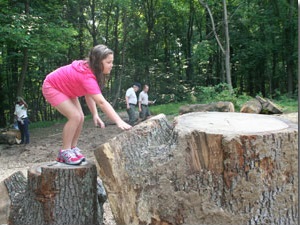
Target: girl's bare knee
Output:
{"points": [[78, 117]]}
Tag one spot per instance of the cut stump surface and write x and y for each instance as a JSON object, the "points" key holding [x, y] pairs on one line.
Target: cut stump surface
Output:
{"points": [[230, 123]]}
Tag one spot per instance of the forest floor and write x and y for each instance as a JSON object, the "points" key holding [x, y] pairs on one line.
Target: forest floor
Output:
{"points": [[45, 143]]}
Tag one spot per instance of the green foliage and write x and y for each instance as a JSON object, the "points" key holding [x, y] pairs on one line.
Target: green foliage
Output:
{"points": [[43, 124], [287, 104], [167, 109], [167, 44], [220, 92]]}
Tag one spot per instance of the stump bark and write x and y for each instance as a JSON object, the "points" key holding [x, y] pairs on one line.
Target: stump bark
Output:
{"points": [[55, 194], [207, 169]]}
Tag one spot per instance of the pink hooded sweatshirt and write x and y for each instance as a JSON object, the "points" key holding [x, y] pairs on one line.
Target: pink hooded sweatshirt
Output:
{"points": [[73, 80]]}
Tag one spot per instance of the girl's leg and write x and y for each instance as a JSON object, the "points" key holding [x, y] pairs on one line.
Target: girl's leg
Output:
{"points": [[75, 117], [79, 128]]}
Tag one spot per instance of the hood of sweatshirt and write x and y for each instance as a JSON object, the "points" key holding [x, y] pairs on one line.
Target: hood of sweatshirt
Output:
{"points": [[81, 66]]}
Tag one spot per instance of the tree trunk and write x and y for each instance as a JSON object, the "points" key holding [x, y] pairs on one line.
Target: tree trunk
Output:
{"points": [[227, 48], [55, 194], [121, 57], [209, 168], [290, 40], [25, 60], [2, 98], [211, 107], [225, 51], [189, 36]]}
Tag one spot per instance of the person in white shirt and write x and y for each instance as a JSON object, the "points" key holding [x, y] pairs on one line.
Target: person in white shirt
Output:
{"points": [[22, 119], [131, 101], [144, 103]]}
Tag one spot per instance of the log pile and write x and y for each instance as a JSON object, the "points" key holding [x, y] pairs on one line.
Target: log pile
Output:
{"points": [[205, 169], [10, 136], [211, 107], [260, 105]]}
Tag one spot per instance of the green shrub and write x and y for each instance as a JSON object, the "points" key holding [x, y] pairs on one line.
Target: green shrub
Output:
{"points": [[286, 103], [220, 92], [42, 124], [167, 109]]}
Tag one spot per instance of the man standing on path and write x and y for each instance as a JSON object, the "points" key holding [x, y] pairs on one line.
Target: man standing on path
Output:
{"points": [[143, 103], [131, 101]]}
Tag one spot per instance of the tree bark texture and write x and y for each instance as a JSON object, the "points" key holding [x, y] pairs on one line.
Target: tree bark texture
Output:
{"points": [[9, 189], [206, 169], [211, 107], [55, 194]]}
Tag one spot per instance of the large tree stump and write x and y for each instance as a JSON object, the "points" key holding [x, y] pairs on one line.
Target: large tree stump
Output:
{"points": [[208, 169], [55, 194]]}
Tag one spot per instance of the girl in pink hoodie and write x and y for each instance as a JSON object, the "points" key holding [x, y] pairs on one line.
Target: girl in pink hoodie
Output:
{"points": [[62, 87]]}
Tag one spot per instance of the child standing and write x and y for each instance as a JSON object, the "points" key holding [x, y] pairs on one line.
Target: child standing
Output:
{"points": [[22, 118], [62, 87]]}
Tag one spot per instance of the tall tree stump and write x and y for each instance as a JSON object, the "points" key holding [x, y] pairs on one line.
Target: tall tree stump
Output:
{"points": [[207, 169], [55, 194]]}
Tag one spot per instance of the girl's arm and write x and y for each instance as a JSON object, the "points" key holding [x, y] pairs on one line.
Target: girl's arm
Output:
{"points": [[109, 111], [93, 109]]}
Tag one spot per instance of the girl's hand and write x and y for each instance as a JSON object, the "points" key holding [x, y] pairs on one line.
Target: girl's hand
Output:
{"points": [[124, 126], [98, 122]]}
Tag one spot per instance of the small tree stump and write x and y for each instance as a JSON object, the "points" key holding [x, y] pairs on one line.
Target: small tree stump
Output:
{"points": [[208, 169], [55, 194], [211, 107]]}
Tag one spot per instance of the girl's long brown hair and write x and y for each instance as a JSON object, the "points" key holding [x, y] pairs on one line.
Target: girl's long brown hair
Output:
{"points": [[96, 55]]}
